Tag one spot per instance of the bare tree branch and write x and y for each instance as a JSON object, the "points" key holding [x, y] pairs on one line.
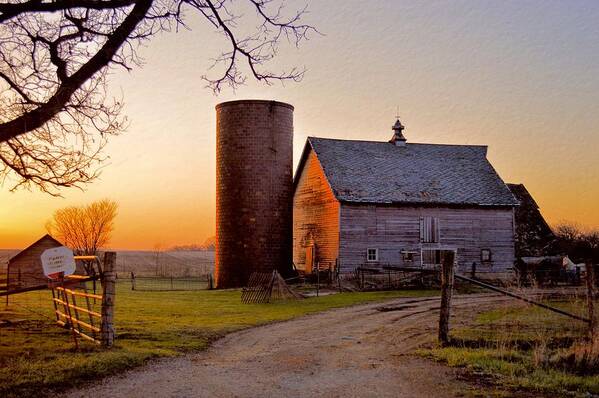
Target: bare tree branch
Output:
{"points": [[55, 116]]}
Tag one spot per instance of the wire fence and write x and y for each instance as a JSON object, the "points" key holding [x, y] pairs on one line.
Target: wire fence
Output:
{"points": [[165, 264], [167, 283]]}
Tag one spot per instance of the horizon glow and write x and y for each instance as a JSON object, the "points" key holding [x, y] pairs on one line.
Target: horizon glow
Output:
{"points": [[522, 78]]}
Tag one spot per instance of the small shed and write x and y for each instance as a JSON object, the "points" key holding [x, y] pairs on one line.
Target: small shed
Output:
{"points": [[25, 267]]}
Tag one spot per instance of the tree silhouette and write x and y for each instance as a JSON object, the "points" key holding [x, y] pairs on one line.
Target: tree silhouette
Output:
{"points": [[55, 116], [84, 229]]}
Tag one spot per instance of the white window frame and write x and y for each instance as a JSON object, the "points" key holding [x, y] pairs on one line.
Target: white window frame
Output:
{"points": [[376, 254]]}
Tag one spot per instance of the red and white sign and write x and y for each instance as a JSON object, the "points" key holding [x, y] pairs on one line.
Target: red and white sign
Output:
{"points": [[58, 260]]}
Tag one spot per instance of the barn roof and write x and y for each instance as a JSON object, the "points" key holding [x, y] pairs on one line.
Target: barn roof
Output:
{"points": [[47, 236], [381, 172], [533, 234]]}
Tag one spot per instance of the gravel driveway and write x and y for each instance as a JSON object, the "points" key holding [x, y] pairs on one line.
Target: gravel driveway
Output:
{"points": [[351, 352]]}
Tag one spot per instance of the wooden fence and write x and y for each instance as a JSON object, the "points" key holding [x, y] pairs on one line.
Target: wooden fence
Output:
{"points": [[264, 287]]}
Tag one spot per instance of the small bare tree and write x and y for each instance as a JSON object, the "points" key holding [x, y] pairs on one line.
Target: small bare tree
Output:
{"points": [[85, 229], [55, 115]]}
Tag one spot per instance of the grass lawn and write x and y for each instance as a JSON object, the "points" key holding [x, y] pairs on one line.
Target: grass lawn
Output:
{"points": [[516, 348], [37, 356]]}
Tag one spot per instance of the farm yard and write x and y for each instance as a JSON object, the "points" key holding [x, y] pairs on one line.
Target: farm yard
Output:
{"points": [[497, 343], [36, 356], [365, 350]]}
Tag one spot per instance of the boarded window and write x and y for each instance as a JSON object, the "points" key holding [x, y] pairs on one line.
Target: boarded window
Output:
{"points": [[429, 230], [431, 257], [407, 256], [372, 254]]}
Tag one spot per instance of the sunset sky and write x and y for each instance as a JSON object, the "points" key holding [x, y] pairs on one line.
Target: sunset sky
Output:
{"points": [[520, 77]]}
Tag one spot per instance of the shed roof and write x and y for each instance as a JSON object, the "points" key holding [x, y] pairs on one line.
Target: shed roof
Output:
{"points": [[47, 236], [422, 174]]}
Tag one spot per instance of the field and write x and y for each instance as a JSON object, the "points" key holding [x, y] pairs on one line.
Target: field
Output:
{"points": [[169, 263], [149, 263], [36, 355], [525, 349]]}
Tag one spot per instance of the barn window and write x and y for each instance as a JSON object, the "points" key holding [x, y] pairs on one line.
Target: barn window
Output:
{"points": [[429, 229], [407, 257], [372, 254], [485, 255]]}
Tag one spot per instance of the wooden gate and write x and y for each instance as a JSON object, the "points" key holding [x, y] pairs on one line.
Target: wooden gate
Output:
{"points": [[88, 315], [80, 317]]}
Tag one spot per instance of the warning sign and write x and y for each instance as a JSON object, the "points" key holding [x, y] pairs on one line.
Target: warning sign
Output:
{"points": [[58, 260]]}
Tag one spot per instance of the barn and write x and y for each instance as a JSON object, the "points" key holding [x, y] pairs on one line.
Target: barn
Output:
{"points": [[25, 267], [533, 235], [373, 204]]}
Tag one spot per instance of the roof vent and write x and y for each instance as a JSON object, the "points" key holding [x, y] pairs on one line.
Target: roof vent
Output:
{"points": [[398, 138]]}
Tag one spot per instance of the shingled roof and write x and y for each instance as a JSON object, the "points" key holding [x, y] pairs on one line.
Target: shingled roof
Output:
{"points": [[380, 172]]}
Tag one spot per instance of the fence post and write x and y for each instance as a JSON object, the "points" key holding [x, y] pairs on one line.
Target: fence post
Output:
{"points": [[590, 297], [446, 291], [108, 296], [338, 274], [317, 279]]}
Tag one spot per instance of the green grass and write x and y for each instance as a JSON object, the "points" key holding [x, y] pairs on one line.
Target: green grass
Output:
{"points": [[38, 356], [515, 346]]}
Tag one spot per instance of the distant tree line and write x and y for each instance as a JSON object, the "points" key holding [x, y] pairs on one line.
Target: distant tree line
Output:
{"points": [[208, 245], [580, 244]]}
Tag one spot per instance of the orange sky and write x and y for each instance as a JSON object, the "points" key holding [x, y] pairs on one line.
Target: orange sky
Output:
{"points": [[521, 78]]}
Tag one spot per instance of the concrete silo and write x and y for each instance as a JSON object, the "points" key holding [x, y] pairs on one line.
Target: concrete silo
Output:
{"points": [[254, 189]]}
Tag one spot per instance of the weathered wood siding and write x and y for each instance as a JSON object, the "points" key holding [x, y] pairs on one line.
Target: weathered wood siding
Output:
{"points": [[393, 229], [25, 269], [315, 216]]}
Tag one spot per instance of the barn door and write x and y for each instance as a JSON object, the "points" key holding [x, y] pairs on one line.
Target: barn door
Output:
{"points": [[310, 255]]}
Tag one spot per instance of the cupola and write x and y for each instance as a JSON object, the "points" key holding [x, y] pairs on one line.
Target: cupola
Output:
{"points": [[398, 138]]}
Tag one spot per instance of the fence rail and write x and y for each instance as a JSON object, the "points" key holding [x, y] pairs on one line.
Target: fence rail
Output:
{"points": [[68, 312]]}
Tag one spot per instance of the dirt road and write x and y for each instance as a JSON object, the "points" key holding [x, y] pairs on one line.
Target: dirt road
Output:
{"points": [[350, 352]]}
